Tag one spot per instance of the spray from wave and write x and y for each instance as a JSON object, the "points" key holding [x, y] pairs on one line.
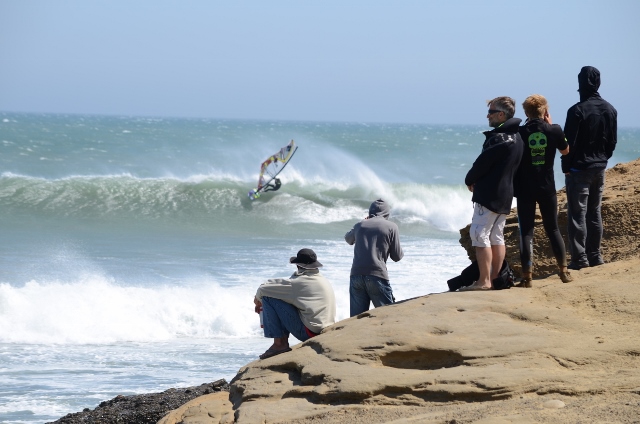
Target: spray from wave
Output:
{"points": [[94, 309], [317, 196]]}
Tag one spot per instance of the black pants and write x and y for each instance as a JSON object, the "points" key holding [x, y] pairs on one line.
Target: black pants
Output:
{"points": [[584, 209], [548, 203]]}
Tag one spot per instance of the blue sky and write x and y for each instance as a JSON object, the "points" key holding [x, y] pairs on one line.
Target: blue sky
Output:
{"points": [[364, 60]]}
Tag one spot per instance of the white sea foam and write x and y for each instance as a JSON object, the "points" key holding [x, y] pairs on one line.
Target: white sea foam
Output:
{"points": [[447, 208], [294, 210], [40, 406], [94, 309]]}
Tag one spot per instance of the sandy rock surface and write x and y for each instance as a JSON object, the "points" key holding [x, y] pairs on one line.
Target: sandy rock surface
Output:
{"points": [[211, 408], [557, 353]]}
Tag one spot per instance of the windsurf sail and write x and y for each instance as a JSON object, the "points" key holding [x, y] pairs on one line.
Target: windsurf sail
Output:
{"points": [[270, 168]]}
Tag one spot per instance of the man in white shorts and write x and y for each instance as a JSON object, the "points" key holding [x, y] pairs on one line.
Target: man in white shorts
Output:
{"points": [[491, 181], [487, 227]]}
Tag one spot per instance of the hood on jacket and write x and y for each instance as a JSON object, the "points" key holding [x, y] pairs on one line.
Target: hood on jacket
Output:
{"points": [[379, 208], [588, 82]]}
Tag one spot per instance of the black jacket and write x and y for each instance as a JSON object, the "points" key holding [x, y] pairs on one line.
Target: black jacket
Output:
{"points": [[493, 171], [591, 127], [535, 174]]}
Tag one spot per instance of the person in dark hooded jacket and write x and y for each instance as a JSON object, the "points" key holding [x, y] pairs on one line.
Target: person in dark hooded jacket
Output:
{"points": [[591, 129], [374, 239]]}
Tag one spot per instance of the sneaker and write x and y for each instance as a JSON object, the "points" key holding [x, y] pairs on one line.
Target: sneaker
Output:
{"points": [[525, 283], [596, 263], [577, 267], [565, 277]]}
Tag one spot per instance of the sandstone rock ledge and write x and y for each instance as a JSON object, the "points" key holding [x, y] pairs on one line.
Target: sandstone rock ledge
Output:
{"points": [[557, 353]]}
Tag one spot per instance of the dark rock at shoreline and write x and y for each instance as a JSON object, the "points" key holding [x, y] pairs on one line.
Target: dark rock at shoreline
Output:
{"points": [[141, 409]]}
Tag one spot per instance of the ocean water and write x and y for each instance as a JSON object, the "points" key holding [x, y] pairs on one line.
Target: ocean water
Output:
{"points": [[130, 251]]}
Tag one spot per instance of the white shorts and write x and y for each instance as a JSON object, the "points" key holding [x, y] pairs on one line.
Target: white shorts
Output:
{"points": [[487, 227]]}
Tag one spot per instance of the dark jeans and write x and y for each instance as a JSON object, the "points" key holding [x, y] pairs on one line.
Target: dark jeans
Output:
{"points": [[281, 319], [548, 203], [367, 288], [584, 217]]}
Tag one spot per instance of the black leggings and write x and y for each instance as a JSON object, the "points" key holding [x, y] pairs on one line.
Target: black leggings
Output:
{"points": [[548, 203]]}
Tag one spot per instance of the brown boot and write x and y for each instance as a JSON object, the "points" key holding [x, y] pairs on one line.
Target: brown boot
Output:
{"points": [[525, 283], [565, 277]]}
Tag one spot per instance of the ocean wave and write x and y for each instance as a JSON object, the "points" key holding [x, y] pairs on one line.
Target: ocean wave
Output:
{"points": [[71, 298], [205, 200], [93, 309]]}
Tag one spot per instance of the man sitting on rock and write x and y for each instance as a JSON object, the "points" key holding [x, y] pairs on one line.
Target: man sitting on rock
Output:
{"points": [[302, 305]]}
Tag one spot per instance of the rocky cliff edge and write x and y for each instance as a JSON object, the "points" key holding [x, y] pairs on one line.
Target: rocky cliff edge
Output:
{"points": [[554, 353]]}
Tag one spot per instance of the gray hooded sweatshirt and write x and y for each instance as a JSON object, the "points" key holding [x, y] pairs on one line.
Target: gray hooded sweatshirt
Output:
{"points": [[376, 239]]}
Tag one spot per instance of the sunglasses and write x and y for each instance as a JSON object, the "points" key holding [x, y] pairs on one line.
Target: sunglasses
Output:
{"points": [[492, 111]]}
